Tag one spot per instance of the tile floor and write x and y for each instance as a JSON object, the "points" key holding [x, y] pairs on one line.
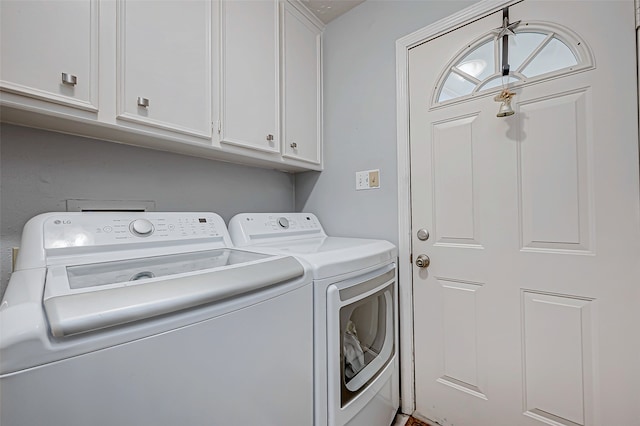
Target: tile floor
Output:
{"points": [[404, 420]]}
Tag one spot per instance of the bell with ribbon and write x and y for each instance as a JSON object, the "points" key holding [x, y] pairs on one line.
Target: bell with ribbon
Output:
{"points": [[505, 97]]}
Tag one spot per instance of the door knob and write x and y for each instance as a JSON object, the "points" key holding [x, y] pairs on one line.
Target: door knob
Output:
{"points": [[423, 261]]}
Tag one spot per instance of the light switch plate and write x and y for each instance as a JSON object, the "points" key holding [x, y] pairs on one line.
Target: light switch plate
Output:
{"points": [[367, 179]]}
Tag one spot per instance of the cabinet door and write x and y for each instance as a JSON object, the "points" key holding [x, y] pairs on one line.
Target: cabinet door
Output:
{"points": [[301, 99], [49, 50], [165, 64], [250, 84]]}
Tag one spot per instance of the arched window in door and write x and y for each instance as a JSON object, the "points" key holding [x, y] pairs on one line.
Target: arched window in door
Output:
{"points": [[538, 51]]}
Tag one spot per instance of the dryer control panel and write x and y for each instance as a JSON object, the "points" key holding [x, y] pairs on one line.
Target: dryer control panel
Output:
{"points": [[248, 228]]}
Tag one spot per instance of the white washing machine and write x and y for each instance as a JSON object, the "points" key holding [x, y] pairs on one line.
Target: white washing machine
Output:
{"points": [[152, 319], [355, 314]]}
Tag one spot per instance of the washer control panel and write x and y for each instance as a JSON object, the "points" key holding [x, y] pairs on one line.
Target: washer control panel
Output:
{"points": [[108, 228], [246, 228]]}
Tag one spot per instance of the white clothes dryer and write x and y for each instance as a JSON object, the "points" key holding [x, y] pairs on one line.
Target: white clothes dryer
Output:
{"points": [[152, 319], [356, 374]]}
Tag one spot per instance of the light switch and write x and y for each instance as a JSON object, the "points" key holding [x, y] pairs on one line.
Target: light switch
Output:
{"points": [[374, 179], [14, 257]]}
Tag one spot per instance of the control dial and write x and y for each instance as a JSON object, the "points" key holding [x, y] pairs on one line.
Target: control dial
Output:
{"points": [[283, 222], [141, 227]]}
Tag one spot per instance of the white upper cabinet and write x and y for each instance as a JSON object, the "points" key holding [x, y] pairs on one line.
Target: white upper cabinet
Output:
{"points": [[49, 51], [250, 74], [164, 64], [301, 89], [234, 80]]}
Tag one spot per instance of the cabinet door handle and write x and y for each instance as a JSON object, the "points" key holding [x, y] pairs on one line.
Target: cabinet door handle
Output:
{"points": [[294, 145], [69, 79], [143, 102], [270, 138]]}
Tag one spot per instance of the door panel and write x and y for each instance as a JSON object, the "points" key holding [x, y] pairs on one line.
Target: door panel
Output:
{"points": [[555, 384], [453, 181], [555, 157], [460, 335], [528, 312]]}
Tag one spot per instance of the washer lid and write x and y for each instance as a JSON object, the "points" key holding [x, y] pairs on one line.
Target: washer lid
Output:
{"points": [[331, 256], [82, 298], [124, 271], [302, 235]]}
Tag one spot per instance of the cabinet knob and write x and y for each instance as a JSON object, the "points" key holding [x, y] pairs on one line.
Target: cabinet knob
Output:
{"points": [[270, 138], [69, 79], [293, 145], [143, 102]]}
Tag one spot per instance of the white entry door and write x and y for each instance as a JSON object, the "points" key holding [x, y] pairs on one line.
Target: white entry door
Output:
{"points": [[529, 312]]}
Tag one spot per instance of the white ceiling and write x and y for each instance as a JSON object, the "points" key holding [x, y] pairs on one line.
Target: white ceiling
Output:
{"points": [[327, 10]]}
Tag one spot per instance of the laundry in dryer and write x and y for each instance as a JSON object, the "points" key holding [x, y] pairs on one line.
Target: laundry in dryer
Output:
{"points": [[353, 353]]}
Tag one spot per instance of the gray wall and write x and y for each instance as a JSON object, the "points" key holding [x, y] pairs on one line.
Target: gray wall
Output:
{"points": [[360, 116], [40, 170]]}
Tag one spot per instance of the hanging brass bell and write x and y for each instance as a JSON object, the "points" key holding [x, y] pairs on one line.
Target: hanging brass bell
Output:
{"points": [[504, 98], [505, 109]]}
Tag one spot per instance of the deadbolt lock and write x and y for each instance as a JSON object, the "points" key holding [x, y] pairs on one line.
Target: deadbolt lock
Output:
{"points": [[423, 234]]}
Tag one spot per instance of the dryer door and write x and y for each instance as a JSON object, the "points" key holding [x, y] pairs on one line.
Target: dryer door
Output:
{"points": [[364, 332]]}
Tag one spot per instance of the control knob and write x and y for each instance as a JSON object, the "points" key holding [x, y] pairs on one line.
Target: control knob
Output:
{"points": [[283, 222], [141, 227]]}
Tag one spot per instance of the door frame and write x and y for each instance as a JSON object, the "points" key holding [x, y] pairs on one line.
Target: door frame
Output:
{"points": [[405, 267]]}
